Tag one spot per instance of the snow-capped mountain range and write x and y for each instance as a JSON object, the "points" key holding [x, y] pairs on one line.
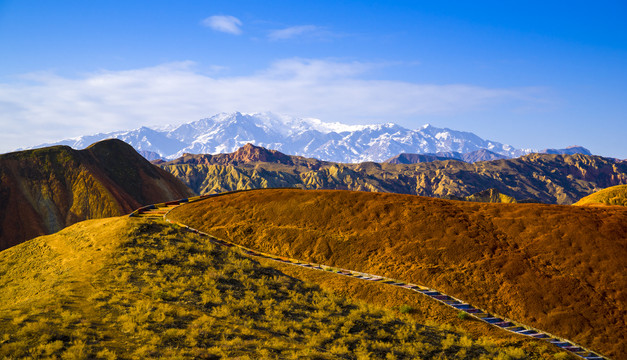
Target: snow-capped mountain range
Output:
{"points": [[307, 137]]}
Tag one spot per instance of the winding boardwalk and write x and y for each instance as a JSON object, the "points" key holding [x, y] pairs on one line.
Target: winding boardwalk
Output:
{"points": [[160, 211]]}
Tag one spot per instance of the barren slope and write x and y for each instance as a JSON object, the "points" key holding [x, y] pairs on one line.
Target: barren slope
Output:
{"points": [[44, 190], [559, 268]]}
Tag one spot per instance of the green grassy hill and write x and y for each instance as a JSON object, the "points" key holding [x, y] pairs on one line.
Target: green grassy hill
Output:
{"points": [[44, 190], [129, 288], [615, 195]]}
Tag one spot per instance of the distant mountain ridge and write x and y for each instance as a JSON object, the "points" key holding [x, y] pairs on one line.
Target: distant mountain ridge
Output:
{"points": [[307, 137], [546, 178], [571, 150], [470, 157]]}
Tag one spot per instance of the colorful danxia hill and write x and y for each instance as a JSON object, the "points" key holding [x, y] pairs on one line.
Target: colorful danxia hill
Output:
{"points": [[44, 190]]}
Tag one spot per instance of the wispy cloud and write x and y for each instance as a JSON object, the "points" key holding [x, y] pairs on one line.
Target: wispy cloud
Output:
{"points": [[293, 31], [224, 23], [46, 107]]}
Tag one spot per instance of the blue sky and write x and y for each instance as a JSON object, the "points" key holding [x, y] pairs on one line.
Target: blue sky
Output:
{"points": [[533, 74]]}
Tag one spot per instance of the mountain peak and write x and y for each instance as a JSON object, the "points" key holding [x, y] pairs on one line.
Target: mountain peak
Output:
{"points": [[248, 153], [313, 138], [111, 145], [570, 150], [252, 153]]}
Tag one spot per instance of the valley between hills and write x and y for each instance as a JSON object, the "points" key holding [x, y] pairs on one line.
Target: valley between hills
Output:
{"points": [[125, 288]]}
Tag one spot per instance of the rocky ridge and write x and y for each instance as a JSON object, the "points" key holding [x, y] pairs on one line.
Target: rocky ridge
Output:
{"points": [[545, 178], [471, 157]]}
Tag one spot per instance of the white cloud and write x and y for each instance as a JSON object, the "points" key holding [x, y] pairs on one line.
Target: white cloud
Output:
{"points": [[314, 69], [47, 107], [224, 23], [292, 32]]}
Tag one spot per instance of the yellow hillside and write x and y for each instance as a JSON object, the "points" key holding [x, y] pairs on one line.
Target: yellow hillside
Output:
{"points": [[129, 288], [614, 195]]}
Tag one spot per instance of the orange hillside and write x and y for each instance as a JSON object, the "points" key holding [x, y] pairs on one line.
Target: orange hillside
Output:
{"points": [[559, 268]]}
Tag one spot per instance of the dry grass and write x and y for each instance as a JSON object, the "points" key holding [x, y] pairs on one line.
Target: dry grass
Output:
{"points": [[129, 288], [615, 195], [423, 310], [559, 268]]}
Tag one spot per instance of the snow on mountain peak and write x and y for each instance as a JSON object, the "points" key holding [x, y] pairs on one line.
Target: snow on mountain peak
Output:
{"points": [[311, 137], [329, 127]]}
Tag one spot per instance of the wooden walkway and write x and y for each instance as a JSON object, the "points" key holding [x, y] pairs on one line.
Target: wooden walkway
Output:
{"points": [[160, 211]]}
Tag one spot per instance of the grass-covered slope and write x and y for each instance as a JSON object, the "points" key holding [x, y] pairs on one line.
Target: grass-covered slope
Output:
{"points": [[127, 288], [44, 190], [615, 195], [544, 178], [559, 268]]}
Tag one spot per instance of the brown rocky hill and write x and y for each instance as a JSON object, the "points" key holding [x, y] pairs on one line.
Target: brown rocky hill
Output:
{"points": [[45, 190], [248, 153], [558, 268], [545, 178]]}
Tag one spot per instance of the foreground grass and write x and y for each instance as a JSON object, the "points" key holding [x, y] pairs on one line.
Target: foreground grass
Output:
{"points": [[132, 289]]}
